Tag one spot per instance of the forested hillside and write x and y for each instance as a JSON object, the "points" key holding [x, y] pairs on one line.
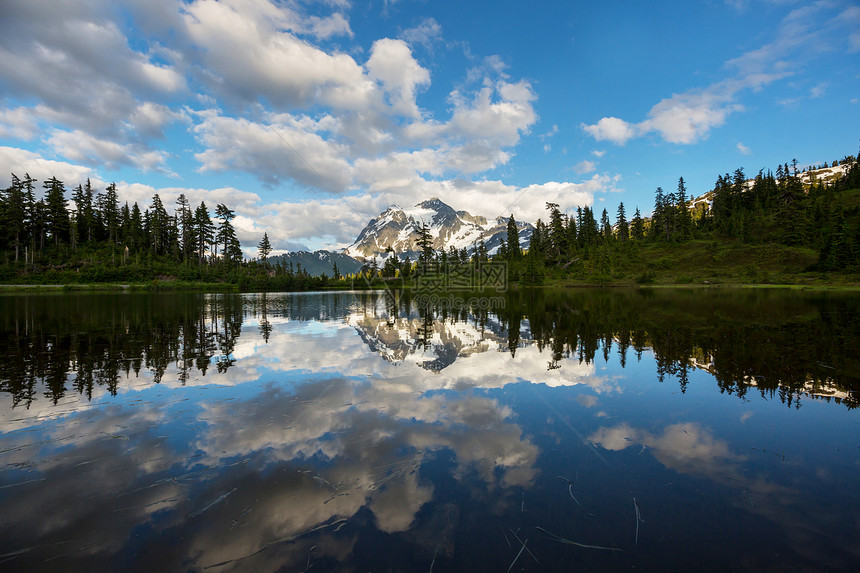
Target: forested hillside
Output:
{"points": [[44, 238], [769, 229], [779, 223]]}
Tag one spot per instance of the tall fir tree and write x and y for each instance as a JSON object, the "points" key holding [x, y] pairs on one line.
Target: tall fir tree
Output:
{"points": [[57, 217], [264, 248], [683, 217], [637, 226], [623, 228], [513, 240]]}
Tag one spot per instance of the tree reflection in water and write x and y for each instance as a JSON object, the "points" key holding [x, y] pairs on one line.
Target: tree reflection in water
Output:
{"points": [[778, 344], [362, 431]]}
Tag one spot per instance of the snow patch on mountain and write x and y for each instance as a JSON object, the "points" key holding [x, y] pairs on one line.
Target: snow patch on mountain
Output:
{"points": [[398, 228]]}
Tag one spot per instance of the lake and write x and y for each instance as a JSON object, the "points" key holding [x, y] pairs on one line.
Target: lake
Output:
{"points": [[537, 430]]}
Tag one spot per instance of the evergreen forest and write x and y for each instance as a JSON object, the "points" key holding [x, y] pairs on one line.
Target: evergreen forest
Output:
{"points": [[777, 227]]}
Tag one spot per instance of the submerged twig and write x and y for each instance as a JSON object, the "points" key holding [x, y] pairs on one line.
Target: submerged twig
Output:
{"points": [[506, 538], [524, 545], [517, 557], [570, 491], [220, 499], [560, 539], [570, 485], [638, 519]]}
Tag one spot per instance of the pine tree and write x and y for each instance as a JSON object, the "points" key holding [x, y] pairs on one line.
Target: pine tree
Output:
{"points": [[136, 233], [159, 222], [84, 218], [557, 236], [637, 226], [187, 238], [621, 224], [684, 219], [658, 219], [605, 227], [57, 217], [536, 241], [225, 234], [265, 247], [513, 242], [588, 229], [108, 206], [425, 245], [205, 231], [14, 216]]}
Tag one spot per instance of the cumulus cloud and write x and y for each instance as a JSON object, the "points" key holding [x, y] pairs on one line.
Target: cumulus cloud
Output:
{"points": [[425, 34], [18, 123], [85, 148], [286, 148], [687, 447], [391, 63], [686, 118], [349, 125], [611, 129], [334, 25], [245, 48], [21, 161]]}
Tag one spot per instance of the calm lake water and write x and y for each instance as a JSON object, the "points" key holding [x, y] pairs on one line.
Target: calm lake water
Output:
{"points": [[603, 430]]}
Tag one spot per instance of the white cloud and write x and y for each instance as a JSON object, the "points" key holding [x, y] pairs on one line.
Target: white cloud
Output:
{"points": [[149, 119], [744, 149], [246, 47], [598, 153], [18, 123], [688, 117], [585, 166], [391, 63], [611, 129], [85, 148], [496, 114], [425, 34], [287, 148], [77, 63], [21, 161], [334, 25]]}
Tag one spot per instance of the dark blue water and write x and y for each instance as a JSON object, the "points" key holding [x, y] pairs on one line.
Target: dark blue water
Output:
{"points": [[595, 430]]}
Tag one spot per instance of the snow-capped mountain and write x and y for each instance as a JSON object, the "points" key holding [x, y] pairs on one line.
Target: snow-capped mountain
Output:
{"points": [[398, 228]]}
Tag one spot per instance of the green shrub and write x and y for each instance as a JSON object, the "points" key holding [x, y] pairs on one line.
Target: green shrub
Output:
{"points": [[646, 278]]}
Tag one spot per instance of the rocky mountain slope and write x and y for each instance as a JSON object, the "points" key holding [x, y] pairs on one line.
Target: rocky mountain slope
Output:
{"points": [[398, 228]]}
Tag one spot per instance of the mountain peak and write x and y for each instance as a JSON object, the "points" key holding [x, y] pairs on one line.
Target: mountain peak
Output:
{"points": [[399, 229], [432, 203]]}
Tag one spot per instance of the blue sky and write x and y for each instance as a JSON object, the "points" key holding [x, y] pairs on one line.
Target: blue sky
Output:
{"points": [[309, 118]]}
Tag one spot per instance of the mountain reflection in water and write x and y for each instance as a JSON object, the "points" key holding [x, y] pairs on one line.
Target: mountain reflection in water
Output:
{"points": [[362, 431]]}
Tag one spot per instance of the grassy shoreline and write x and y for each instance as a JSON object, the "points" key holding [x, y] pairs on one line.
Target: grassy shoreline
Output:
{"points": [[126, 287]]}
